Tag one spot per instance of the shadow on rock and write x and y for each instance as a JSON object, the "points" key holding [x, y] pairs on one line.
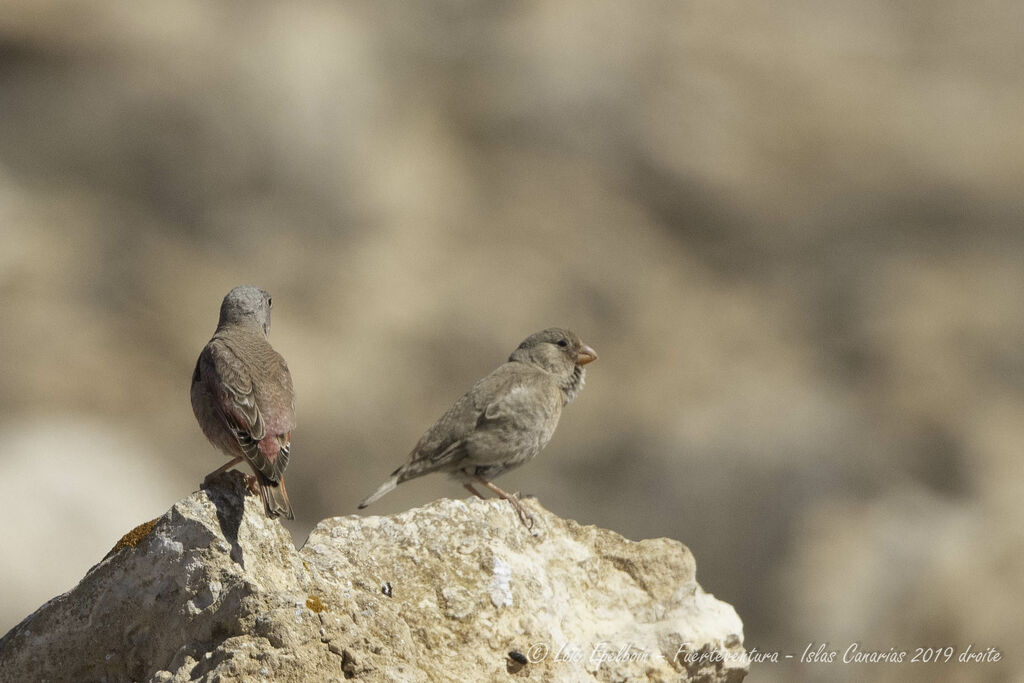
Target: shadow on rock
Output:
{"points": [[227, 491]]}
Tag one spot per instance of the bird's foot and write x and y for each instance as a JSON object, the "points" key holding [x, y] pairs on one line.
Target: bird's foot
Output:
{"points": [[524, 515], [252, 483]]}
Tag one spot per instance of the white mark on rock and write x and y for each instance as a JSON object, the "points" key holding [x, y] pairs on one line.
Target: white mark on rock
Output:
{"points": [[501, 583], [166, 545]]}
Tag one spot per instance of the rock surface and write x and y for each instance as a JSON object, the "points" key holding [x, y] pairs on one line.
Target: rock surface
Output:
{"points": [[455, 590]]}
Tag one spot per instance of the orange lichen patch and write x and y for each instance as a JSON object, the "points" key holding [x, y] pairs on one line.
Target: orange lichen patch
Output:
{"points": [[314, 603], [132, 538]]}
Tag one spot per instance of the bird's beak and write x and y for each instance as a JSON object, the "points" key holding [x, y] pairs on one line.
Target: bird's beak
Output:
{"points": [[586, 355]]}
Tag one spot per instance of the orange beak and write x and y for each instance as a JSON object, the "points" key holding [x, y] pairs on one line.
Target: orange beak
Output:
{"points": [[586, 355]]}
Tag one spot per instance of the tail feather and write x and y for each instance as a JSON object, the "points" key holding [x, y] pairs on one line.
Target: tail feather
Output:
{"points": [[385, 488], [275, 498]]}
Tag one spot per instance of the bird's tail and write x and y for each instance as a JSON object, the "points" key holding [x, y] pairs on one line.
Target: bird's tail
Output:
{"points": [[275, 498], [385, 488]]}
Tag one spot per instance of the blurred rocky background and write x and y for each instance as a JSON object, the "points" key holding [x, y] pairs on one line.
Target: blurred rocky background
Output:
{"points": [[791, 230]]}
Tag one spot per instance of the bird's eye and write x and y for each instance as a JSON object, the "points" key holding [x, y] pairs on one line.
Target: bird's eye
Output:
{"points": [[563, 343], [270, 302]]}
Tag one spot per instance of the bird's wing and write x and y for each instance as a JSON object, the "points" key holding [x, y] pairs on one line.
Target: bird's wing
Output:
{"points": [[276, 400], [508, 399], [519, 398], [231, 382], [444, 442], [278, 394], [519, 409]]}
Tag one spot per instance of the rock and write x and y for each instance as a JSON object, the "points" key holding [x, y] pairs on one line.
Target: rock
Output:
{"points": [[455, 590]]}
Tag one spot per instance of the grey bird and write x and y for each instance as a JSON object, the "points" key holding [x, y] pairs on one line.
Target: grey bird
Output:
{"points": [[504, 420], [243, 398]]}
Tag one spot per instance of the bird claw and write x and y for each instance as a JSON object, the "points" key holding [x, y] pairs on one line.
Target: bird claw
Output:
{"points": [[252, 483], [525, 517]]}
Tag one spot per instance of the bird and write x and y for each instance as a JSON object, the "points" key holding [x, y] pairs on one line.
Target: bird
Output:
{"points": [[243, 398], [504, 420]]}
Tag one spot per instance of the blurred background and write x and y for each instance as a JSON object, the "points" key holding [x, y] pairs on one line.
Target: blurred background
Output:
{"points": [[792, 231]]}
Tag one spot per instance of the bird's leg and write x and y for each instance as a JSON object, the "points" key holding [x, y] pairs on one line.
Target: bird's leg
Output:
{"points": [[469, 487], [524, 516], [223, 468]]}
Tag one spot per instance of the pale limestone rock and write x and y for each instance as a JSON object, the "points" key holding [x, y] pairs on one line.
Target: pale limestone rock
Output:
{"points": [[455, 590]]}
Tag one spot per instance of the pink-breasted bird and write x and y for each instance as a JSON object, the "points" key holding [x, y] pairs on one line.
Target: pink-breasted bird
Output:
{"points": [[243, 398]]}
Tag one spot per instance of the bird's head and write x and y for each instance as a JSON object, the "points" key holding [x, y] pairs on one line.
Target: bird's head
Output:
{"points": [[555, 350], [246, 305]]}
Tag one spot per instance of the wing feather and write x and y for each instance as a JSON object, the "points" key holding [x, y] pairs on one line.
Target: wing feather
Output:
{"points": [[239, 407]]}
